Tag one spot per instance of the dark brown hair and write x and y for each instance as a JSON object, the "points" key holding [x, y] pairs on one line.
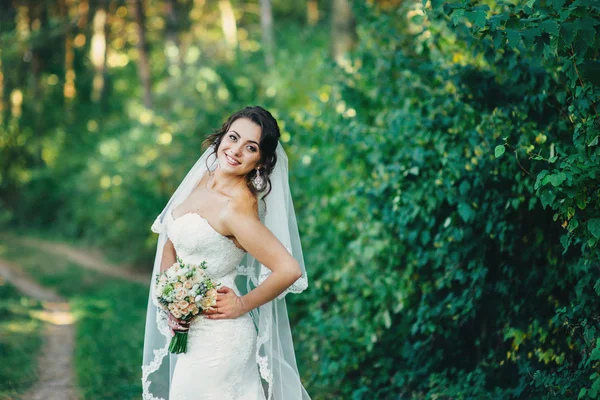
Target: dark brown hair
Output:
{"points": [[269, 138]]}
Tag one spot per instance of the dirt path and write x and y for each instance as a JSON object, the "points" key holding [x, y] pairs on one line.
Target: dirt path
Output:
{"points": [[55, 362], [86, 259]]}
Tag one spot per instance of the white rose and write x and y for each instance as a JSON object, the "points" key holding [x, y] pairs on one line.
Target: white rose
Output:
{"points": [[200, 274], [171, 274], [207, 302]]}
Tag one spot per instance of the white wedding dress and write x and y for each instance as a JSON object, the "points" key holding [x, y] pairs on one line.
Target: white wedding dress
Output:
{"points": [[220, 361]]}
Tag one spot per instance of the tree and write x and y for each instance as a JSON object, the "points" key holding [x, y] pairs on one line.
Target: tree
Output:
{"points": [[312, 12], [98, 50], [266, 22], [137, 10], [228, 23], [343, 29]]}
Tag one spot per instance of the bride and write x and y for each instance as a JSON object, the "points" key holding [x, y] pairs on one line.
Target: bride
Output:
{"points": [[234, 211]]}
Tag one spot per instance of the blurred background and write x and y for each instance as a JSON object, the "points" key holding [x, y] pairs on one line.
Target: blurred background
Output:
{"points": [[444, 164]]}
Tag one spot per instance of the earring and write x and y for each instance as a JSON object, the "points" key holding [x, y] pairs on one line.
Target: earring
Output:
{"points": [[258, 181]]}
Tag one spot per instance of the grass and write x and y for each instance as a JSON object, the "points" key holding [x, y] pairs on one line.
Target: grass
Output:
{"points": [[20, 341], [110, 315]]}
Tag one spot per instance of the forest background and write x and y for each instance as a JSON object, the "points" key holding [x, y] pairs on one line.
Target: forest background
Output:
{"points": [[444, 163]]}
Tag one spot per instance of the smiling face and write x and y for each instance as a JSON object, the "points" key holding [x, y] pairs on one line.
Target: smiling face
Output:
{"points": [[239, 151]]}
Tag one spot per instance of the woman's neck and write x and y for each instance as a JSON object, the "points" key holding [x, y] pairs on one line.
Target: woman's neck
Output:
{"points": [[222, 182]]}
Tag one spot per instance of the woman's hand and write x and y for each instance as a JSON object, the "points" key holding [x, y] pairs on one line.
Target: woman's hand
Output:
{"points": [[229, 305], [177, 325]]}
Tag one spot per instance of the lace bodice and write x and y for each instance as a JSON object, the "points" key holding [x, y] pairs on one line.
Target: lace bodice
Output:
{"points": [[195, 240]]}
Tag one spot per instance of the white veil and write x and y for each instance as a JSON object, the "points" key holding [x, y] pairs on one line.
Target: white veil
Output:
{"points": [[274, 351]]}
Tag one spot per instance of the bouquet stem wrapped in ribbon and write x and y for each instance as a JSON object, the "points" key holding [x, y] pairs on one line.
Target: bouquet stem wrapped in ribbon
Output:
{"points": [[184, 290]]}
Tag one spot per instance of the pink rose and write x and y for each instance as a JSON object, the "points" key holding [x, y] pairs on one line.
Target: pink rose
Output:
{"points": [[180, 294], [183, 304]]}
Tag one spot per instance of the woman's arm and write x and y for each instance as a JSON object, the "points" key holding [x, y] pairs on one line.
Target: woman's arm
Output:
{"points": [[168, 258], [168, 255], [260, 242]]}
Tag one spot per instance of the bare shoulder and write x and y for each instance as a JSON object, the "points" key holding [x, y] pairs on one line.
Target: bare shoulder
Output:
{"points": [[241, 205]]}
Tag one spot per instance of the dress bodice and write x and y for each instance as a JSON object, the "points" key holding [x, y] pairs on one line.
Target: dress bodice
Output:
{"points": [[195, 240], [220, 360]]}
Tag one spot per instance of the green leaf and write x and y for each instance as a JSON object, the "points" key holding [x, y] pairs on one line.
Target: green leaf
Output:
{"points": [[457, 15], [594, 227], [580, 201], [595, 354], [464, 188], [557, 179], [477, 18], [590, 70], [513, 37], [498, 39], [436, 4], [547, 198], [387, 320], [466, 212], [499, 150], [529, 36], [556, 4], [565, 241], [538, 181], [586, 30], [567, 32], [550, 27]]}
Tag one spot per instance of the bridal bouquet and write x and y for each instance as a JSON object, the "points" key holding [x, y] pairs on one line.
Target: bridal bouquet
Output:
{"points": [[183, 290]]}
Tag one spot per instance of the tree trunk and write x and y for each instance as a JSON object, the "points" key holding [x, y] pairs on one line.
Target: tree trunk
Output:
{"points": [[98, 50], [143, 62], [266, 22], [343, 30], [35, 25], [228, 23], [173, 50], [83, 11], [69, 85], [8, 13], [192, 21], [38, 15], [312, 12], [171, 26]]}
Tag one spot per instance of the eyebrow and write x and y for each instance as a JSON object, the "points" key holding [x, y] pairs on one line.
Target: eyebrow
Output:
{"points": [[251, 141]]}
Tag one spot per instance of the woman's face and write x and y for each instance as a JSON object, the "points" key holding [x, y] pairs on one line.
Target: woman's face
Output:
{"points": [[239, 152]]}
